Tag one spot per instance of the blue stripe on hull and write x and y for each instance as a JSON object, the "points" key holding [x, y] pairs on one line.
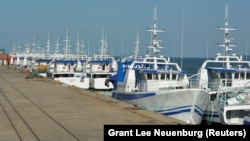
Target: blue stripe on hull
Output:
{"points": [[211, 115], [168, 112], [246, 122], [183, 109], [122, 96], [176, 112]]}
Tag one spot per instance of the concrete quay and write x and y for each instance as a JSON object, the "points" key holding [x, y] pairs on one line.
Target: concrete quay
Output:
{"points": [[42, 109]]}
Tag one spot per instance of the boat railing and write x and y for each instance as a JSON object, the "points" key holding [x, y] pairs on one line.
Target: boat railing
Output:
{"points": [[229, 83], [193, 83]]}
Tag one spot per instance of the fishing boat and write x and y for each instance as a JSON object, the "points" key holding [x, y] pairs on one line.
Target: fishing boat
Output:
{"points": [[157, 84], [68, 69], [233, 105], [225, 71], [70, 72], [100, 67]]}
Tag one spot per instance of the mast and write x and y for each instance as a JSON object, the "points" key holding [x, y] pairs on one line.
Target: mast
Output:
{"points": [[27, 47], [34, 45], [38, 49], [182, 32], [57, 49], [227, 41], [14, 49], [137, 42], [104, 44], [19, 47], [155, 43], [48, 45], [66, 51], [78, 46], [83, 48]]}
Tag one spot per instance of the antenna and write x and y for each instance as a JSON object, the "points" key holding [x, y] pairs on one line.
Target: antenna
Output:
{"points": [[246, 51], [174, 51], [122, 47], [207, 49], [182, 30]]}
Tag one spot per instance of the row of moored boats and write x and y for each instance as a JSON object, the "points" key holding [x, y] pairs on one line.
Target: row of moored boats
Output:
{"points": [[219, 92]]}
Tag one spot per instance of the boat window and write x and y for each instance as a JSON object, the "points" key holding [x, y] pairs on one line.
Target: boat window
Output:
{"points": [[242, 75], [155, 76], [229, 75], [214, 75], [174, 77], [161, 61], [168, 76], [163, 76], [236, 75], [150, 60], [248, 75], [149, 76], [222, 75], [103, 67], [212, 97], [142, 76]]}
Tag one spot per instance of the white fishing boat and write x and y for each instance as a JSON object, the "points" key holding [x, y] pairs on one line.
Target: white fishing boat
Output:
{"points": [[233, 105], [101, 67], [67, 68], [225, 71], [159, 85], [70, 72]]}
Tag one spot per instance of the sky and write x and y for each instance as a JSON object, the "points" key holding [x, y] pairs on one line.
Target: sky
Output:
{"points": [[190, 25]]}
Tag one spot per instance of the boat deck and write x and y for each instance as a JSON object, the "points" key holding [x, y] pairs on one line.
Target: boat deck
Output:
{"points": [[43, 109]]}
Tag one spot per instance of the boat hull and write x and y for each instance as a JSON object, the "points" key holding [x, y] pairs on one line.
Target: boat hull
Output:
{"points": [[233, 114], [100, 84], [73, 81], [187, 105], [211, 115]]}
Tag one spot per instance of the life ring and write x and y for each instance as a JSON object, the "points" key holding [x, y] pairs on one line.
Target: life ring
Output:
{"points": [[106, 82]]}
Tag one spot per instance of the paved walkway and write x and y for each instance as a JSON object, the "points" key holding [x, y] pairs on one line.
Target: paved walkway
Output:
{"points": [[41, 109]]}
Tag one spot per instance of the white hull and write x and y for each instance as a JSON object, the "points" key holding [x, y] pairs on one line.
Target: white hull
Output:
{"points": [[76, 82], [233, 115], [99, 84], [233, 106], [211, 115], [187, 105]]}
